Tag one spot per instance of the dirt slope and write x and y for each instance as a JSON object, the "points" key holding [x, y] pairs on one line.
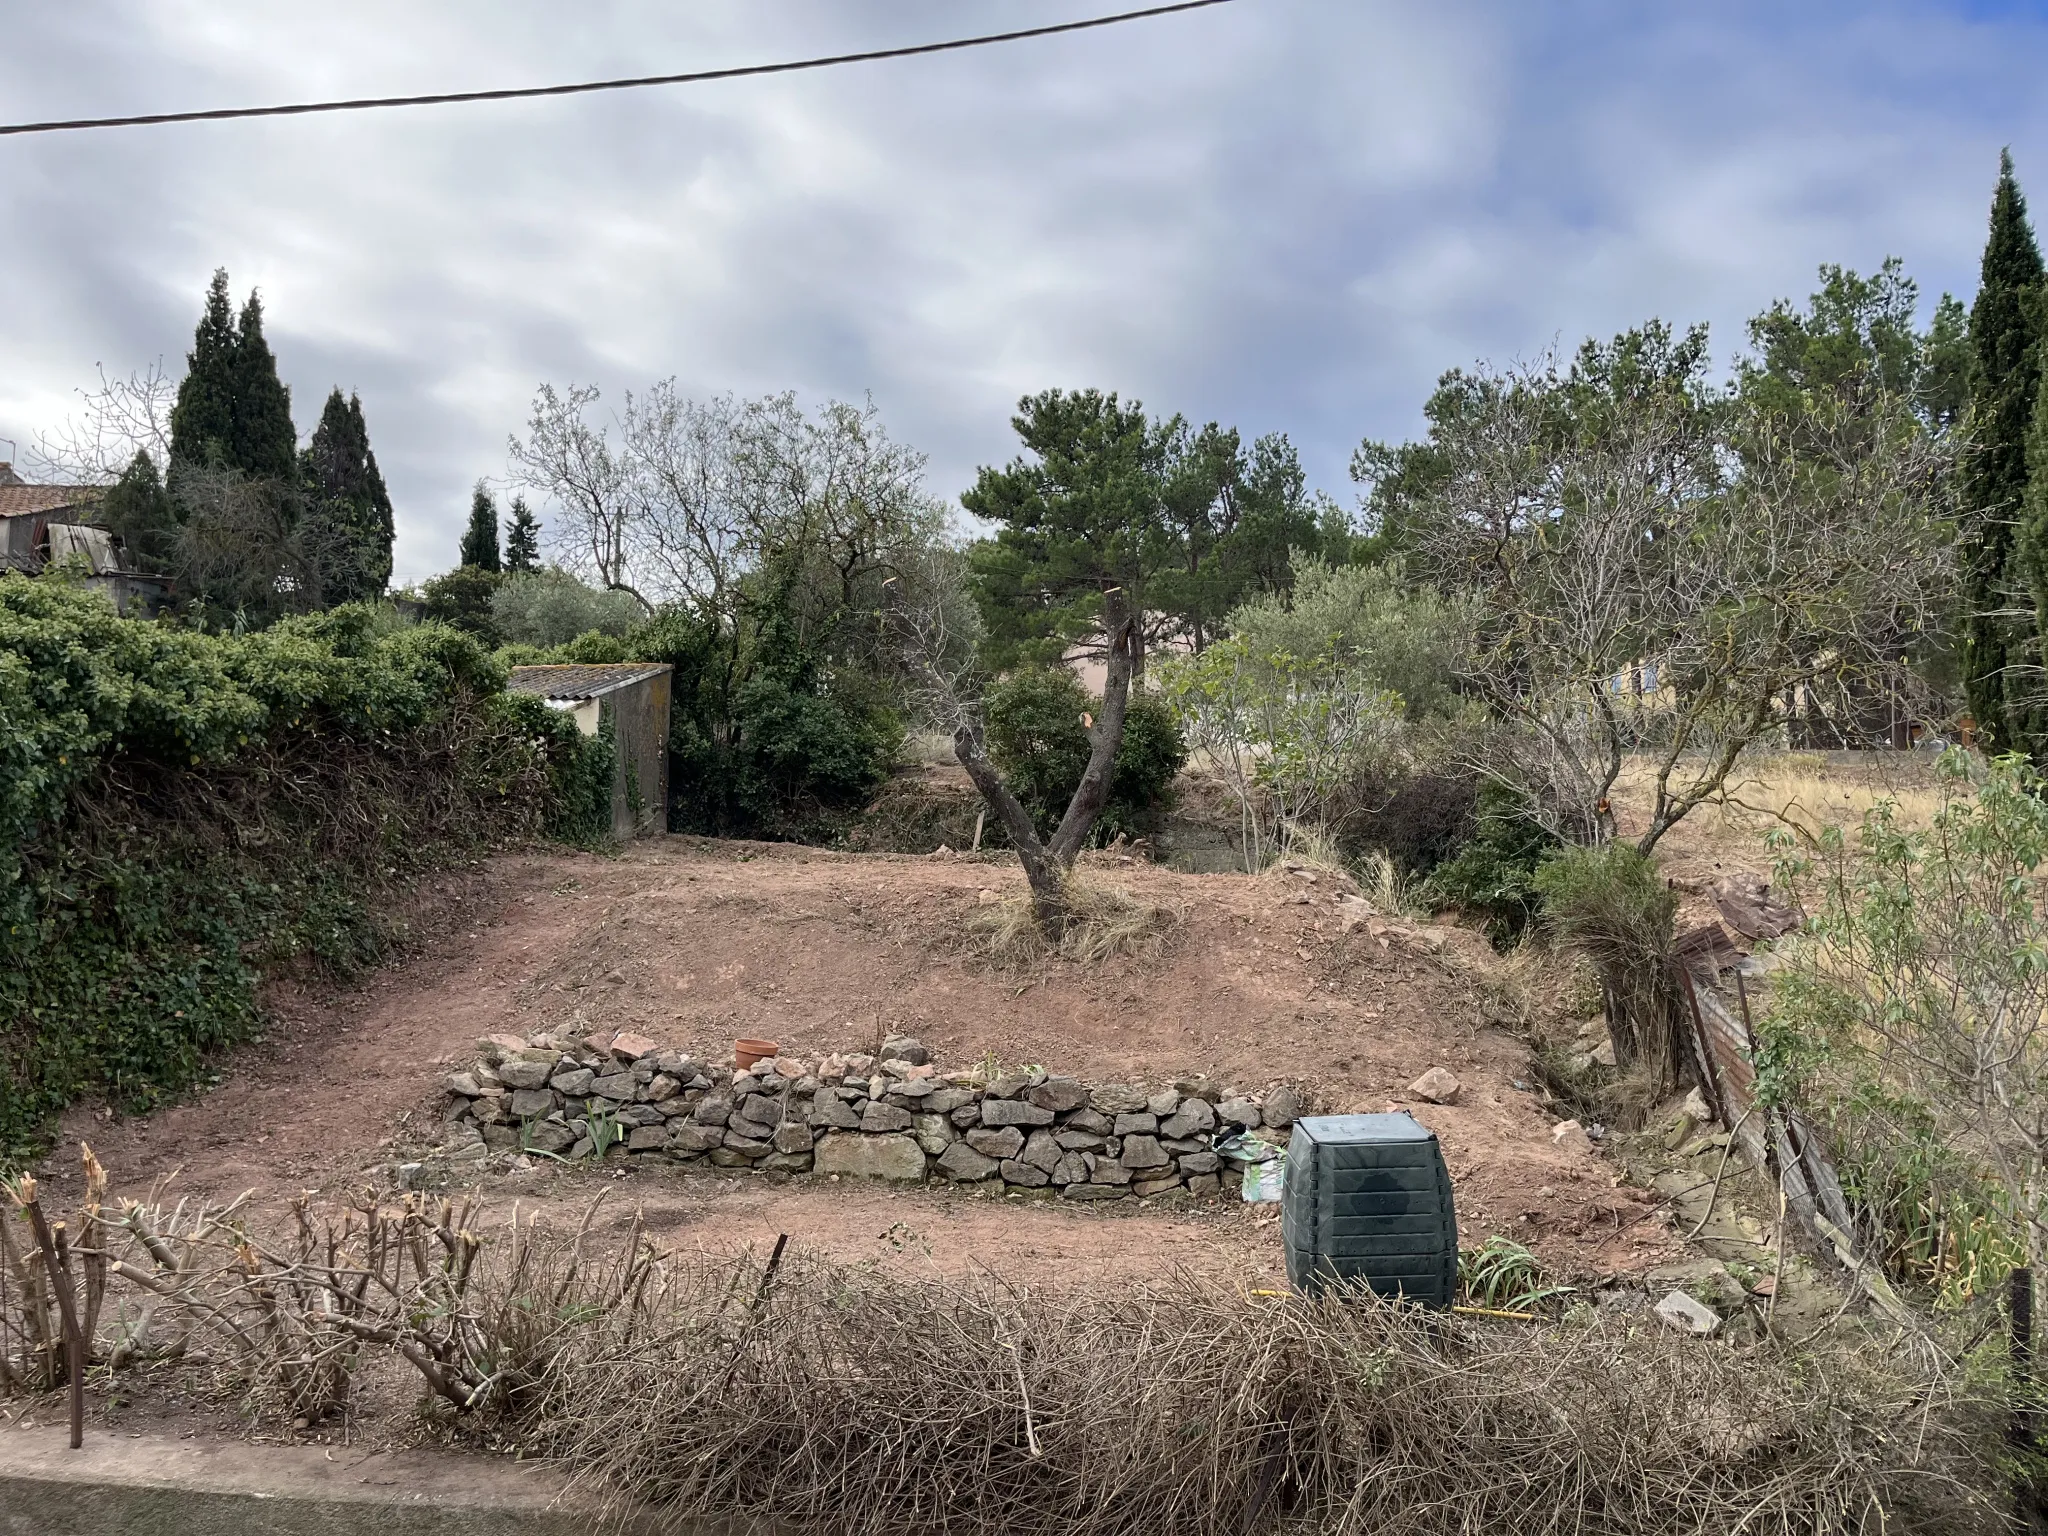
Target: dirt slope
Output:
{"points": [[696, 942]]}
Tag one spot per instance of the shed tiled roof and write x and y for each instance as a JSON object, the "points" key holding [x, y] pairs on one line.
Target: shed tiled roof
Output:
{"points": [[581, 682], [18, 499]]}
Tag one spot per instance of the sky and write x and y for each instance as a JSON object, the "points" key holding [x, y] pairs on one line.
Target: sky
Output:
{"points": [[1284, 215]]}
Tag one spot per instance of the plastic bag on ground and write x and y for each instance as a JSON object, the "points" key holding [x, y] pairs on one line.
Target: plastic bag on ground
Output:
{"points": [[1265, 1182]]}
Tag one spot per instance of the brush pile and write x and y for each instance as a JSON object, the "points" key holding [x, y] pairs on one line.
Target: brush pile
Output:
{"points": [[802, 1395], [839, 1399]]}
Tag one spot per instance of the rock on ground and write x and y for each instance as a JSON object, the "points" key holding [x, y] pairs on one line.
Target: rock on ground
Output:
{"points": [[1436, 1085]]}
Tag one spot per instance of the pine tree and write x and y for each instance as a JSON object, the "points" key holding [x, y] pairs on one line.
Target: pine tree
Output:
{"points": [[522, 538], [265, 442], [2005, 380], [203, 419], [348, 509], [480, 539]]}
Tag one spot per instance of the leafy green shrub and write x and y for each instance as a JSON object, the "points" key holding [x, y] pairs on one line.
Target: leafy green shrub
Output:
{"points": [[780, 745], [180, 812], [1036, 738], [463, 599], [594, 648], [1493, 875], [1398, 633], [1283, 730], [1909, 1018]]}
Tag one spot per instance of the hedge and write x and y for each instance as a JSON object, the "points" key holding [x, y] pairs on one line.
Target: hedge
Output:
{"points": [[183, 814]]}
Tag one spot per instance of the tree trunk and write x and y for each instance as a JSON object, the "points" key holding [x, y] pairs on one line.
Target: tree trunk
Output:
{"points": [[1047, 876], [1048, 862]]}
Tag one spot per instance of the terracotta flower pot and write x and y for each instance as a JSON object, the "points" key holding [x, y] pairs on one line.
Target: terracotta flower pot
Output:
{"points": [[746, 1052]]}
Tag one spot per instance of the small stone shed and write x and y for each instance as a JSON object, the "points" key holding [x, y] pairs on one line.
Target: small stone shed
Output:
{"points": [[634, 698]]}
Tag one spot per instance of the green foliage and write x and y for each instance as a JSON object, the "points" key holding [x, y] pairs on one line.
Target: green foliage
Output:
{"points": [[203, 417], [1910, 1017], [464, 598], [232, 410], [1186, 524], [1493, 876], [138, 511], [1400, 635], [1611, 903], [2004, 326], [1084, 513], [1285, 731], [551, 607], [771, 741], [1235, 523], [347, 504], [522, 538], [1036, 738], [1854, 328], [265, 442], [181, 812], [480, 538], [1501, 1274]]}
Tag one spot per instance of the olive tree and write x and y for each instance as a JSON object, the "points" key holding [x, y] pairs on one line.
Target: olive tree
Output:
{"points": [[1659, 568], [1284, 731]]}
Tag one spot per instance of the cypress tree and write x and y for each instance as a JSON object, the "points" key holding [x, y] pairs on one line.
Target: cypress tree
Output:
{"points": [[203, 418], [349, 510], [265, 441], [480, 539], [522, 538], [375, 523], [2005, 379], [232, 411]]}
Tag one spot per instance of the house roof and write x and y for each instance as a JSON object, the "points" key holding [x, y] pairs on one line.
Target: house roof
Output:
{"points": [[581, 682], [17, 500]]}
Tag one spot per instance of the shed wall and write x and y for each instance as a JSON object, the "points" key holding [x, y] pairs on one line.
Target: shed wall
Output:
{"points": [[639, 716]]}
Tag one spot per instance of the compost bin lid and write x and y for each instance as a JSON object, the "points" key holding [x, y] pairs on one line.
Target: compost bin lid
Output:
{"points": [[1352, 1129]]}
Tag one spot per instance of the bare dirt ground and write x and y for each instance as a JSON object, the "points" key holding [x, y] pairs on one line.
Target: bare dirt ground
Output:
{"points": [[695, 942]]}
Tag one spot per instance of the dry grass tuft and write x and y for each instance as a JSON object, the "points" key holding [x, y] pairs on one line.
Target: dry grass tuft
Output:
{"points": [[1105, 922], [838, 1399]]}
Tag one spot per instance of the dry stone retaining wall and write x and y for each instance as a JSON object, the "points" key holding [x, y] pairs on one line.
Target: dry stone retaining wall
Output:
{"points": [[896, 1116]]}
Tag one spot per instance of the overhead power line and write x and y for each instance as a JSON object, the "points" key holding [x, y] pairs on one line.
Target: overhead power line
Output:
{"points": [[522, 93]]}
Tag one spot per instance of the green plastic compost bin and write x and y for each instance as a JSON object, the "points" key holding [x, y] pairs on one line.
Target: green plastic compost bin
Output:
{"points": [[1368, 1202]]}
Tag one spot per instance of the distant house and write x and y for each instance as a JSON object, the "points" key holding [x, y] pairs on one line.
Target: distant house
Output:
{"points": [[42, 525], [633, 698]]}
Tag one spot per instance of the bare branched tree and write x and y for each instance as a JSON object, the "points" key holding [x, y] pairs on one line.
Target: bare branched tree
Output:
{"points": [[694, 495], [245, 544], [566, 459], [121, 418]]}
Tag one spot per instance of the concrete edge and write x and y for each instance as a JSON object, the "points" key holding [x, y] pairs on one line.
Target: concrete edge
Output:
{"points": [[141, 1485]]}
